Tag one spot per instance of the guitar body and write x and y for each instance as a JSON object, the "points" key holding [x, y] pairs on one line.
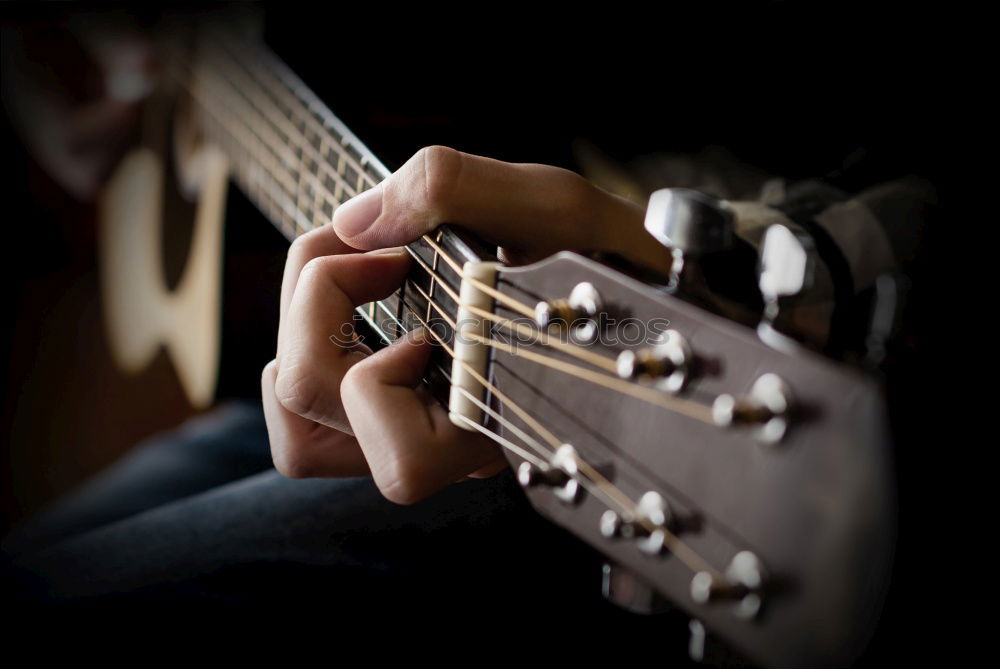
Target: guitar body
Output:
{"points": [[142, 314]]}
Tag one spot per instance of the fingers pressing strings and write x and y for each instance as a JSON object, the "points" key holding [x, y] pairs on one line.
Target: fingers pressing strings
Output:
{"points": [[591, 479]]}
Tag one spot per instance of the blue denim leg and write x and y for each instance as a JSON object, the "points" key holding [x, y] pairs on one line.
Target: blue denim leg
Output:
{"points": [[223, 445]]}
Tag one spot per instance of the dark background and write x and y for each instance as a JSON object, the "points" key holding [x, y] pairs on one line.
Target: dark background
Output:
{"points": [[850, 93]]}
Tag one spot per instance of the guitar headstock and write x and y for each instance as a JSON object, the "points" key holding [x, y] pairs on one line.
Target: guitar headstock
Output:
{"points": [[749, 485]]}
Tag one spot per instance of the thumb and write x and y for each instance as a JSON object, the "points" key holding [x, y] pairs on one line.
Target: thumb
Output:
{"points": [[531, 210]]}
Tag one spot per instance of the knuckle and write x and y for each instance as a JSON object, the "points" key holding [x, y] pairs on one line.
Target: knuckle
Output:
{"points": [[293, 463], [266, 372], [298, 391], [313, 268], [305, 247], [356, 382], [351, 382], [401, 486], [442, 167]]}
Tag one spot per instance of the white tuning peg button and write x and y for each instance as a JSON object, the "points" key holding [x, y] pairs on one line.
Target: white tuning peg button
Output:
{"points": [[786, 263], [787, 273], [689, 221], [693, 226]]}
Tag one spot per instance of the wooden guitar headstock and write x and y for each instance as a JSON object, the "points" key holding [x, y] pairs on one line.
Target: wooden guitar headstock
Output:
{"points": [[748, 485]]}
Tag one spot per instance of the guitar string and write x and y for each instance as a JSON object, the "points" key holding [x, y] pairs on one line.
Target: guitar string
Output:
{"points": [[620, 499], [294, 101], [262, 160], [582, 353], [653, 396], [492, 388], [528, 439], [265, 137], [601, 487], [285, 127], [570, 349], [597, 360], [687, 555], [611, 492], [540, 429], [273, 86], [276, 149], [685, 407]]}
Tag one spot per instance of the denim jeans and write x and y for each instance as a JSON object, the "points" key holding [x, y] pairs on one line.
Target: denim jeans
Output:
{"points": [[197, 520]]}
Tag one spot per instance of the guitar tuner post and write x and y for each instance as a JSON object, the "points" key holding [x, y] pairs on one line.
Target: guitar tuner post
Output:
{"points": [[648, 526], [578, 312], [767, 407], [667, 365], [529, 476], [559, 475], [745, 579]]}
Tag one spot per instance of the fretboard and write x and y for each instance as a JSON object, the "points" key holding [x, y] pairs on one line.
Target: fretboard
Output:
{"points": [[298, 162]]}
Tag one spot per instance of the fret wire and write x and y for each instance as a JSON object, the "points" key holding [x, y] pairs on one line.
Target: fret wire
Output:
{"points": [[371, 323], [303, 102], [256, 96], [268, 162], [265, 162], [250, 172], [229, 112], [388, 313], [276, 162], [261, 139], [430, 291], [258, 169], [276, 145]]}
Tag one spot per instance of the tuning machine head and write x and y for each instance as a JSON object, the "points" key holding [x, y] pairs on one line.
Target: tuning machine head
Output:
{"points": [[579, 313], [667, 364], [689, 221], [692, 225], [561, 474], [648, 526], [743, 584], [787, 271], [767, 408]]}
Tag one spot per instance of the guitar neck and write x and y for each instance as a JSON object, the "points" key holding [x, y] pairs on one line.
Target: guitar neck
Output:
{"points": [[298, 162]]}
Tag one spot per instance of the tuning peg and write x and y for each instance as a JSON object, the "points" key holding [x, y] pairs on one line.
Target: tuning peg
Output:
{"points": [[743, 584], [648, 526], [787, 268], [579, 312], [689, 223], [667, 364], [697, 641], [767, 408], [559, 474], [886, 313]]}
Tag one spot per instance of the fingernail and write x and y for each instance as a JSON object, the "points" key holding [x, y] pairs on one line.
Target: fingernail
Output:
{"points": [[391, 251], [357, 214]]}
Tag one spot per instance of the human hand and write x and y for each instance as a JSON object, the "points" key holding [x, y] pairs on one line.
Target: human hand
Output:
{"points": [[340, 411]]}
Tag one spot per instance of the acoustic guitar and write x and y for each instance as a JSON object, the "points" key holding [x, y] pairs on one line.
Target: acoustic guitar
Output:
{"points": [[724, 466]]}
